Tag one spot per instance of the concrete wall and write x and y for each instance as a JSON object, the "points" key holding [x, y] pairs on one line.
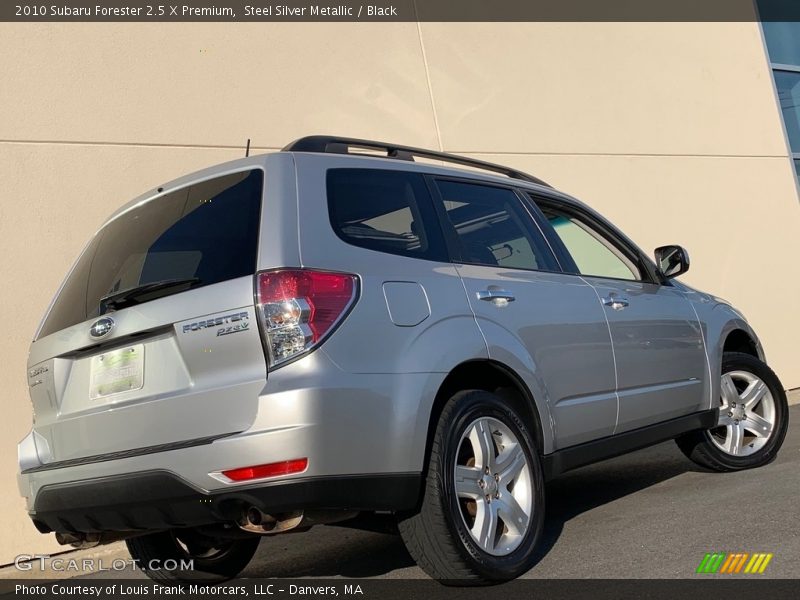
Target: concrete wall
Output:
{"points": [[671, 130]]}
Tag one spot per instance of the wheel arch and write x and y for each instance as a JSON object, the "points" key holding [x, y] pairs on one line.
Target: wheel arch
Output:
{"points": [[491, 376], [735, 335], [739, 340]]}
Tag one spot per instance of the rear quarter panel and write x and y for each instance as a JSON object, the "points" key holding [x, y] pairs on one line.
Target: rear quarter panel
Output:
{"points": [[381, 335]]}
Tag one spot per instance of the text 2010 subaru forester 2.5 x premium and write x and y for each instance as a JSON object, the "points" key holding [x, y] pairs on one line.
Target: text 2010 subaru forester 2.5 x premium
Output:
{"points": [[323, 336]]}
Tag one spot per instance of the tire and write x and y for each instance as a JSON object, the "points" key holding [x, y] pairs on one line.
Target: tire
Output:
{"points": [[210, 564], [761, 414], [444, 536]]}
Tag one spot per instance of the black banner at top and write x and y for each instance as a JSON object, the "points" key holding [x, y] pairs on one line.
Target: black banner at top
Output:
{"points": [[398, 10]]}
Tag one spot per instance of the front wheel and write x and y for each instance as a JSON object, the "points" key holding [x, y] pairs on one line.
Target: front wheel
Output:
{"points": [[753, 417], [183, 556], [483, 507]]}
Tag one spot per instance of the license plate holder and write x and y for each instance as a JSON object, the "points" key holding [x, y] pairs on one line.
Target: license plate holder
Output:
{"points": [[117, 371]]}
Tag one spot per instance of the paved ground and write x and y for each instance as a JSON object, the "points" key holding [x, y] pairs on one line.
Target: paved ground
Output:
{"points": [[649, 514]]}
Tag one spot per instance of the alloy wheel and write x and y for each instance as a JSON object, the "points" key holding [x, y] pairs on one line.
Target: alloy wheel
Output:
{"points": [[746, 415], [494, 486]]}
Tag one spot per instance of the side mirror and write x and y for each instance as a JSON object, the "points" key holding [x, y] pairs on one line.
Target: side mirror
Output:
{"points": [[672, 261]]}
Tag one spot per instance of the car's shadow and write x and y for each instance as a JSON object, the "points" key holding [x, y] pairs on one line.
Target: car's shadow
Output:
{"points": [[584, 489], [337, 551], [328, 551]]}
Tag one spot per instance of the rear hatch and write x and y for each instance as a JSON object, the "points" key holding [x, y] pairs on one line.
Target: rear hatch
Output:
{"points": [[152, 342]]}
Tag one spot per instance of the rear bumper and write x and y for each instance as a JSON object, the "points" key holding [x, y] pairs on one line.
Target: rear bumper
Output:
{"points": [[366, 429], [162, 500]]}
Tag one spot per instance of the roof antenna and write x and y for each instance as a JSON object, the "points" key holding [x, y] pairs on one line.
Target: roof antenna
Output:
{"points": [[247, 150]]}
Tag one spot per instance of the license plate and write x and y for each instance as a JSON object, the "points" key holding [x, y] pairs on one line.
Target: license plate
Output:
{"points": [[118, 371]]}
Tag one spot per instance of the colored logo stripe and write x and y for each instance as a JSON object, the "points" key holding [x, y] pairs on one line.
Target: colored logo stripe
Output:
{"points": [[727, 564], [758, 563], [711, 562], [735, 562], [721, 562]]}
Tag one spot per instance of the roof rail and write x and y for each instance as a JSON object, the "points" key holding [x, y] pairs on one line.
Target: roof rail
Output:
{"points": [[342, 145]]}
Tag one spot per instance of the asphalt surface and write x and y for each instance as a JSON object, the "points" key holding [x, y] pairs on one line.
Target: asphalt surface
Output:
{"points": [[650, 514]]}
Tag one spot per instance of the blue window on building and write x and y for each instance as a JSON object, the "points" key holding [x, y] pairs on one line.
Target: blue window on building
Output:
{"points": [[780, 21], [783, 42], [788, 85]]}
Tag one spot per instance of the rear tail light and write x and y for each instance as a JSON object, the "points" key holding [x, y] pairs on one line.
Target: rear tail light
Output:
{"points": [[298, 308]]}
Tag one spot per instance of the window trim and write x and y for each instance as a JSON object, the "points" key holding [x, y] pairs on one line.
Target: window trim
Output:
{"points": [[453, 241], [605, 230], [784, 67]]}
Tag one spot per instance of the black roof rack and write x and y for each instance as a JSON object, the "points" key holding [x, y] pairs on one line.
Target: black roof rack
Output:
{"points": [[341, 145]]}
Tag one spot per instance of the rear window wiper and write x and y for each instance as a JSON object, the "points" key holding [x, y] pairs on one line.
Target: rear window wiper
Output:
{"points": [[145, 292]]}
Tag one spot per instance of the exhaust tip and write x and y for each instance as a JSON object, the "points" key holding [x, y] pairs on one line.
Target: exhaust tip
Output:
{"points": [[256, 521], [78, 540], [254, 516]]}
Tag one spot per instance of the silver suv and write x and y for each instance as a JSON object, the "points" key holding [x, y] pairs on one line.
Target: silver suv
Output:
{"points": [[337, 333]]}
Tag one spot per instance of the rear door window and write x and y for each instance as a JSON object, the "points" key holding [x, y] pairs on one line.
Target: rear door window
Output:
{"points": [[387, 211], [207, 232], [493, 228]]}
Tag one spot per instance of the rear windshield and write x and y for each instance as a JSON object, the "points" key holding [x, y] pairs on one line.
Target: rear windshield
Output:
{"points": [[207, 231]]}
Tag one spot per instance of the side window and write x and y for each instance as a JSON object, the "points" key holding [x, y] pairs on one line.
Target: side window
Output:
{"points": [[388, 211], [592, 252], [493, 228]]}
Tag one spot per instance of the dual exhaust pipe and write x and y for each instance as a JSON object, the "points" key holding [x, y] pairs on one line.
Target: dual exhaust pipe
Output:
{"points": [[256, 521], [252, 520], [90, 540]]}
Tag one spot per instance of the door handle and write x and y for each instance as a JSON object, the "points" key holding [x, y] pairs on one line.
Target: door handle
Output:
{"points": [[615, 302], [496, 297]]}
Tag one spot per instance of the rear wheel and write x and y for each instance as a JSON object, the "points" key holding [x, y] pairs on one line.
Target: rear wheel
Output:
{"points": [[483, 506], [753, 417], [163, 556]]}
